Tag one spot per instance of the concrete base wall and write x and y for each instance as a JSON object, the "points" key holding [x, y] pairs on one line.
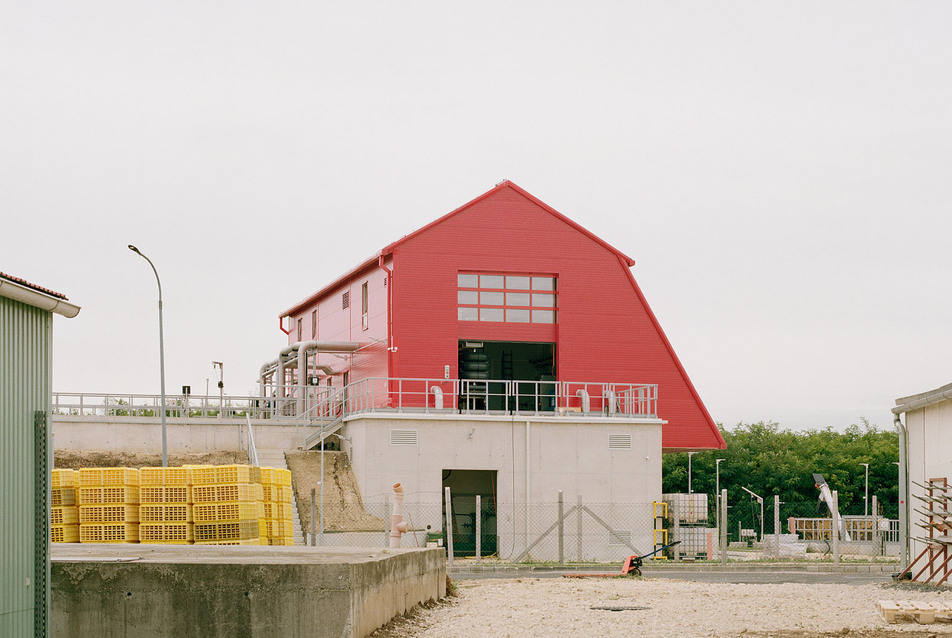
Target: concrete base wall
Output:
{"points": [[184, 436], [210, 591]]}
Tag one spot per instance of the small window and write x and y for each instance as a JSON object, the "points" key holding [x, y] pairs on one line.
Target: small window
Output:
{"points": [[468, 281], [543, 316], [517, 283], [543, 300], [517, 315], [345, 300], [468, 314], [543, 283], [468, 298], [299, 324], [364, 317], [491, 298], [490, 314], [313, 324], [517, 299], [490, 281]]}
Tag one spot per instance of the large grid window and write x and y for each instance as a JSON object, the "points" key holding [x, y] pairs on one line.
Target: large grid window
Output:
{"points": [[507, 298]]}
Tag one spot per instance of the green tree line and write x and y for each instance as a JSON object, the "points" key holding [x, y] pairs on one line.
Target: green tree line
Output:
{"points": [[772, 461]]}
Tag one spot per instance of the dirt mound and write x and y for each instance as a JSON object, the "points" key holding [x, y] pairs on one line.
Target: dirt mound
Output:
{"points": [[73, 460], [343, 506]]}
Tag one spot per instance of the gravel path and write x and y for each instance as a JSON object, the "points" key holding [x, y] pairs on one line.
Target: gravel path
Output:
{"points": [[529, 607]]}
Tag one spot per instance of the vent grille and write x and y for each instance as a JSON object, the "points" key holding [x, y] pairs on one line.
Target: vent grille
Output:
{"points": [[345, 300], [404, 437], [619, 441], [619, 537]]}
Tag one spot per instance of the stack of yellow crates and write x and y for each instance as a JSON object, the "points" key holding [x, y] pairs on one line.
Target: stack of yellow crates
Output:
{"points": [[108, 505], [64, 513], [227, 505], [165, 510], [276, 485]]}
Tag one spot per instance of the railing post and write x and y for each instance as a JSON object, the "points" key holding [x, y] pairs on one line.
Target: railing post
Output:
{"points": [[578, 533], [561, 530], [776, 522], [479, 527], [874, 521], [723, 530], [836, 529], [449, 528], [313, 516]]}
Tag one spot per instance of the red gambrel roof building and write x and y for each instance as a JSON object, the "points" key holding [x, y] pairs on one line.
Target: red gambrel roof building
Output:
{"points": [[503, 288]]}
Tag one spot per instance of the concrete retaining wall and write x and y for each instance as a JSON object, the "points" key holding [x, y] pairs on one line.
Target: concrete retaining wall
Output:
{"points": [[212, 591]]}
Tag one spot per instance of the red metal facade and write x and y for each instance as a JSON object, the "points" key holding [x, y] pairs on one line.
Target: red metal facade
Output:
{"points": [[605, 331]]}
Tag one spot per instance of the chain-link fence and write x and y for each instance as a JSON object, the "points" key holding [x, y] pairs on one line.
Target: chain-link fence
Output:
{"points": [[563, 532]]}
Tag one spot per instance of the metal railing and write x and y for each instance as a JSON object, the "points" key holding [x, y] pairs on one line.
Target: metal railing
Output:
{"points": [[149, 405], [317, 405]]}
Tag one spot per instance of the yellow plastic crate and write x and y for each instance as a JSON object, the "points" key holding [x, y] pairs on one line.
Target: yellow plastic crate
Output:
{"points": [[277, 510], [120, 513], [68, 515], [276, 493], [202, 474], [227, 474], [63, 496], [275, 476], [165, 513], [64, 478], [276, 528], [281, 540], [165, 475], [64, 533], [105, 495], [227, 511], [104, 476], [236, 492], [248, 541], [228, 530], [167, 533], [109, 533], [165, 494]]}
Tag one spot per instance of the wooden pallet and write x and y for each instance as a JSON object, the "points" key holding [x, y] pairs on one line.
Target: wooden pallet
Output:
{"points": [[921, 612]]}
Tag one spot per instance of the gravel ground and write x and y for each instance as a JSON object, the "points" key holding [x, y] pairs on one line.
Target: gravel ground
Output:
{"points": [[529, 607]]}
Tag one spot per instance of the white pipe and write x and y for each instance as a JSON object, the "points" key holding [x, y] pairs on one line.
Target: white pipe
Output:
{"points": [[437, 397], [610, 398], [397, 526], [319, 346], [37, 299], [586, 400], [903, 488], [827, 496]]}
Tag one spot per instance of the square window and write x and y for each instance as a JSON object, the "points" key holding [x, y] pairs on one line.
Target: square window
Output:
{"points": [[467, 281], [543, 300], [491, 298], [517, 283], [468, 314], [517, 299], [491, 281], [543, 283], [543, 316], [490, 314], [517, 316], [468, 297]]}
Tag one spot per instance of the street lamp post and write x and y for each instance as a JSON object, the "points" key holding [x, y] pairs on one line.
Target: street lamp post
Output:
{"points": [[690, 454], [866, 492], [717, 494], [165, 455], [221, 387]]}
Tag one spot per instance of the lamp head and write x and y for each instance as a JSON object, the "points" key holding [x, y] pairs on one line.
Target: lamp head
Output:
{"points": [[134, 249]]}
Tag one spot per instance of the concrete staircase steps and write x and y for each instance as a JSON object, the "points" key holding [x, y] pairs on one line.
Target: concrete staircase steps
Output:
{"points": [[275, 458]]}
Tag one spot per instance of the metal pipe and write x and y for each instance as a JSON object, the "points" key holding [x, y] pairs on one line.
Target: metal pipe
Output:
{"points": [[903, 487], [586, 400], [437, 397], [165, 454]]}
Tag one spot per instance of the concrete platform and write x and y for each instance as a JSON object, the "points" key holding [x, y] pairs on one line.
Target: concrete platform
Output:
{"points": [[208, 590]]}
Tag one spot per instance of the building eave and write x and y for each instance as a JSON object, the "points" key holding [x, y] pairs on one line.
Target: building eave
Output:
{"points": [[923, 400]]}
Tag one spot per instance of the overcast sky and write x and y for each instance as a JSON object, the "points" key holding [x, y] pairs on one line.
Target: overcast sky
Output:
{"points": [[781, 173]]}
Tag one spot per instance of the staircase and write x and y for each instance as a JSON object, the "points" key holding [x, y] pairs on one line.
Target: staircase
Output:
{"points": [[275, 458]]}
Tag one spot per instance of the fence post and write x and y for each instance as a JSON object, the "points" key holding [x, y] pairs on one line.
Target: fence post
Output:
{"points": [[776, 523], [313, 516], [836, 529], [449, 528], [561, 530], [723, 530], [578, 522], [479, 526], [676, 536], [875, 523]]}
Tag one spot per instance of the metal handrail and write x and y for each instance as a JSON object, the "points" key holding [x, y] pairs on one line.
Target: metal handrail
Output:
{"points": [[252, 448]]}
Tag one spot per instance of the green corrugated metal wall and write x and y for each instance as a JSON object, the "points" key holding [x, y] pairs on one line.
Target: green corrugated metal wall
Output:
{"points": [[25, 350]]}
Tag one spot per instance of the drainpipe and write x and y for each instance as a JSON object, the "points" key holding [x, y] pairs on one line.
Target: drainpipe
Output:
{"points": [[903, 489], [383, 266], [397, 526]]}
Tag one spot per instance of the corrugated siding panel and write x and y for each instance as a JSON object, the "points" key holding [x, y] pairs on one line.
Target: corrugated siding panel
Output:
{"points": [[604, 333], [25, 334]]}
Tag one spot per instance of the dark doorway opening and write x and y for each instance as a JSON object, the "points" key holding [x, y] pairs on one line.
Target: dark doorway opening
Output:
{"points": [[494, 361], [464, 486]]}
